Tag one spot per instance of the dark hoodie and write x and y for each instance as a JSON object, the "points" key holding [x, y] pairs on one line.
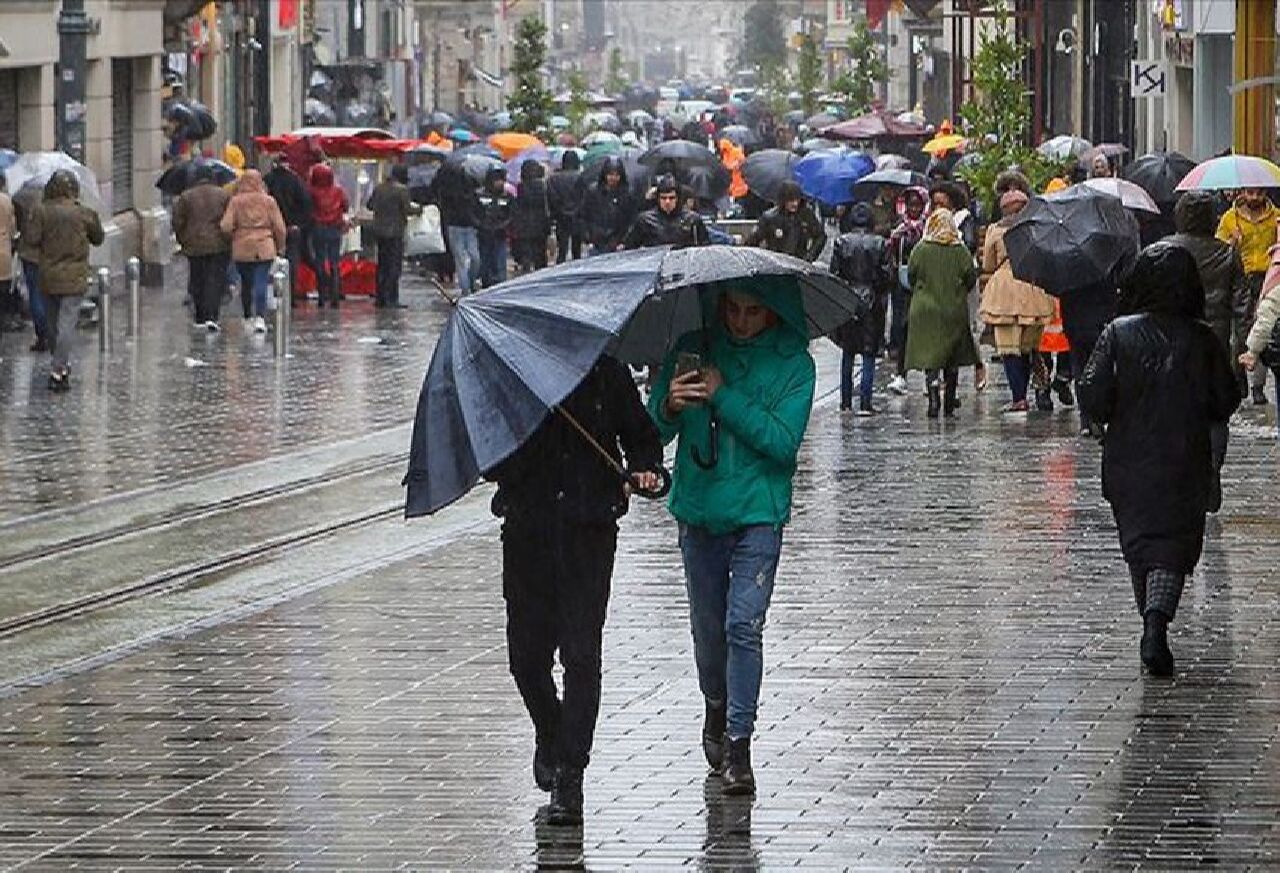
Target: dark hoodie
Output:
{"points": [[1227, 302], [861, 258], [565, 193], [495, 205], [1159, 380], [328, 200], [607, 213]]}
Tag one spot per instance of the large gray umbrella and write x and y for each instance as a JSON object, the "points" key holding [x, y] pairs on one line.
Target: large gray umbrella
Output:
{"points": [[1073, 239], [509, 355]]}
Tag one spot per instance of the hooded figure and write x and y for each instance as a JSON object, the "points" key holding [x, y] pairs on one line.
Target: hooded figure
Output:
{"points": [[565, 193], [739, 412], [197, 219], [669, 223], [531, 223], [609, 208], [861, 258], [1159, 379], [392, 207], [256, 228], [329, 221], [790, 226], [61, 230], [1226, 296], [494, 219]]}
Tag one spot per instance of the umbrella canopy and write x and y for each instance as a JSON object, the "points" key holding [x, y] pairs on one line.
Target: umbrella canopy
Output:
{"points": [[1159, 174], [461, 134], [708, 183], [875, 125], [510, 354], [597, 137], [828, 177], [684, 153], [603, 121], [893, 162], [511, 143], [1062, 147], [819, 144], [741, 135], [943, 143], [764, 171], [1070, 240], [1231, 172], [821, 120], [441, 120], [476, 164], [559, 122], [639, 117], [182, 175], [1106, 149], [1131, 195], [35, 168], [869, 185]]}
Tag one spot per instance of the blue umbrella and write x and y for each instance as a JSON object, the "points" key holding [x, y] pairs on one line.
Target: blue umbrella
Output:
{"points": [[828, 177], [461, 134], [509, 355], [8, 157]]}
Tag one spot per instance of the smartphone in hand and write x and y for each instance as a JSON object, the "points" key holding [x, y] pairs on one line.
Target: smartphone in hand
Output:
{"points": [[687, 362]]}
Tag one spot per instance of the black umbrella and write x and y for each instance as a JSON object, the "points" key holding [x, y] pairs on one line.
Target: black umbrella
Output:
{"points": [[1159, 174], [740, 135], [1072, 239], [868, 186], [182, 175], [684, 153], [765, 170], [509, 355], [708, 183]]}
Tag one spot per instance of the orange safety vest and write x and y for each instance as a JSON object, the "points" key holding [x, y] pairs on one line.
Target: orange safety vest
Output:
{"points": [[1054, 339]]}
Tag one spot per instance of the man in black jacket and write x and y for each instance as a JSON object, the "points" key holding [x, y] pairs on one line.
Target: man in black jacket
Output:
{"points": [[608, 208], [861, 258], [290, 194], [669, 223], [565, 193], [455, 193], [790, 227], [391, 207], [560, 502]]}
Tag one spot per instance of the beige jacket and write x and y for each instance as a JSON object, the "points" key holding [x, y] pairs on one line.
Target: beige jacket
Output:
{"points": [[253, 221], [8, 230], [1005, 298]]}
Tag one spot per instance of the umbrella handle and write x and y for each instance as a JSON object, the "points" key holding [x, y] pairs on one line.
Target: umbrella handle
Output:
{"points": [[710, 462], [658, 493]]}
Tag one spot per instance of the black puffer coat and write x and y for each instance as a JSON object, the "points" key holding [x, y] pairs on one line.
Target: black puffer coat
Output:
{"points": [[861, 258], [1158, 379], [798, 233], [607, 213]]}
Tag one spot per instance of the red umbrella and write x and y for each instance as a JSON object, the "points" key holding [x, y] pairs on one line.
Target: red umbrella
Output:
{"points": [[874, 125]]}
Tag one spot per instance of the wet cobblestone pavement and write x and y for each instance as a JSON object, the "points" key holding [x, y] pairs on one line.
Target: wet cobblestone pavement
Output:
{"points": [[952, 681]]}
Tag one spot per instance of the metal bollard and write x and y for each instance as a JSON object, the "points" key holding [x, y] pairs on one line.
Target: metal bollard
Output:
{"points": [[133, 276], [104, 309], [280, 287]]}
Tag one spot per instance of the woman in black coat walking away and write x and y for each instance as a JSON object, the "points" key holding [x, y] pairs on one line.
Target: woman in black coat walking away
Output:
{"points": [[1159, 380]]}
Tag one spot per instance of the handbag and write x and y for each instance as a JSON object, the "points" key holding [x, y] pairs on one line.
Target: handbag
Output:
{"points": [[423, 234], [351, 241]]}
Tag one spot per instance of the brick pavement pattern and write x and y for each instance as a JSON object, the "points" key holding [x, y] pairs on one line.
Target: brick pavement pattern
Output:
{"points": [[952, 680]]}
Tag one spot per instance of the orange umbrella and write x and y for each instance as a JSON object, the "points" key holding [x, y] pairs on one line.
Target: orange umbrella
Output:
{"points": [[435, 139], [511, 143]]}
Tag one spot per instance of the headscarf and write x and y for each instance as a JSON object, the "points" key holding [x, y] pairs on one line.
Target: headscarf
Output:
{"points": [[940, 228], [233, 155]]}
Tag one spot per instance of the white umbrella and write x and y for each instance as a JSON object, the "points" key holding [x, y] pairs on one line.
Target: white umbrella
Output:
{"points": [[598, 137], [36, 168], [1133, 196], [1062, 147]]}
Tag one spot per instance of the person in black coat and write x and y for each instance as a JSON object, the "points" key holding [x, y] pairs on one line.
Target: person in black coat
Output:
{"points": [[669, 223], [495, 209], [861, 258], [565, 193], [560, 502], [291, 195], [789, 227], [531, 219], [1160, 381], [1085, 312], [609, 208]]}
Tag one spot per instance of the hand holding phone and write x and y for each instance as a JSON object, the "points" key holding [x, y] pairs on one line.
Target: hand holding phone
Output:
{"points": [[687, 385]]}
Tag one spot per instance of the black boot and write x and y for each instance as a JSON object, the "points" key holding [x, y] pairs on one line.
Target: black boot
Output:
{"points": [[566, 798], [713, 724], [950, 402], [1063, 388], [1044, 401], [738, 776], [544, 764], [935, 400], [1156, 656]]}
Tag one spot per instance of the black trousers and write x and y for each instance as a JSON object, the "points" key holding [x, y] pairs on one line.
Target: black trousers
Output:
{"points": [[206, 277], [1081, 350], [568, 236], [390, 262], [555, 579]]}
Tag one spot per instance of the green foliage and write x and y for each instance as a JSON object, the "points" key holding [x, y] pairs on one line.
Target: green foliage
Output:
{"points": [[531, 103], [616, 82], [997, 121], [809, 78], [857, 85], [774, 85], [579, 105], [764, 42]]}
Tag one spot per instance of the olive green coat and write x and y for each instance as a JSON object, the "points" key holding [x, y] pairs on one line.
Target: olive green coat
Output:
{"points": [[63, 230], [938, 336]]}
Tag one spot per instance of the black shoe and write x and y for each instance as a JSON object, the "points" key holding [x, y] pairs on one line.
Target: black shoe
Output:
{"points": [[738, 776], [1259, 396], [1044, 401], [935, 401], [1156, 656], [40, 345], [865, 408], [950, 402], [1063, 387], [544, 765], [59, 382], [1215, 492], [713, 724], [566, 798]]}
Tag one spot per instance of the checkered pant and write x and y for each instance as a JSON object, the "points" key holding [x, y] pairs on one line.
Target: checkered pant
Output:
{"points": [[1157, 589]]}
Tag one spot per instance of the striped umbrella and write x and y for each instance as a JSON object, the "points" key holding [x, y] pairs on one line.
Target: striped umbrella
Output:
{"points": [[1231, 172]]}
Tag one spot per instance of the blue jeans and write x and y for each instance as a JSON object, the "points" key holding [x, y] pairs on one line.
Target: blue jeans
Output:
{"points": [[328, 245], [35, 300], [729, 580], [493, 260], [253, 281], [865, 384], [464, 245]]}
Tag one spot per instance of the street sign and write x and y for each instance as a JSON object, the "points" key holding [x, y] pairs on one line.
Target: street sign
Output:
{"points": [[1147, 79]]}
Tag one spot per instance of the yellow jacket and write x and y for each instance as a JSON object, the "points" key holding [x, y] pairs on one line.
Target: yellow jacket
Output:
{"points": [[1256, 236]]}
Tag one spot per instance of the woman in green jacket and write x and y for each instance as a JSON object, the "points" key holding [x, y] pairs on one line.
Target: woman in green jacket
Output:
{"points": [[740, 416], [941, 272]]}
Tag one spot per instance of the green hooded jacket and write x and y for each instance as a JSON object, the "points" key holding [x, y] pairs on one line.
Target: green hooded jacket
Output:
{"points": [[763, 408]]}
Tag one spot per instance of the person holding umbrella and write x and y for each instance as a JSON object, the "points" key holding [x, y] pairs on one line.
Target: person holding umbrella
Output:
{"points": [[1250, 227], [1160, 381], [790, 226], [941, 272], [741, 389]]}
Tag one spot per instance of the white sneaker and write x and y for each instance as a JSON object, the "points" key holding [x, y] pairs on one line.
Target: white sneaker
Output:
{"points": [[898, 385], [212, 326], [259, 325], [197, 325]]}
